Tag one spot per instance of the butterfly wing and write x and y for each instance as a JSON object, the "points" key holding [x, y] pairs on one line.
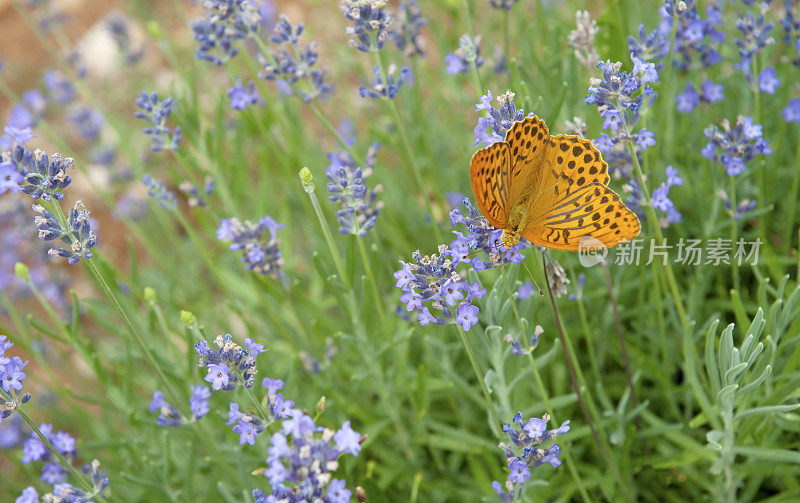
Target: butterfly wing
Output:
{"points": [[527, 145], [489, 172], [574, 201]]}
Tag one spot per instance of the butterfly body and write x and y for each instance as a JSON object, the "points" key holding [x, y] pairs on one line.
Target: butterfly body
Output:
{"points": [[551, 190]]}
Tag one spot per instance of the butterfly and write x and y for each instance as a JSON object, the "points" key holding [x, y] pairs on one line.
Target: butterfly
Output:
{"points": [[551, 190]]}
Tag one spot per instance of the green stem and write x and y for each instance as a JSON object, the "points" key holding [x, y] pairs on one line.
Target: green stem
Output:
{"points": [[134, 333], [623, 347], [792, 201], [734, 231], [66, 464], [257, 404], [604, 452], [506, 35], [545, 396], [371, 278], [409, 151], [481, 380], [652, 219], [326, 232], [762, 189]]}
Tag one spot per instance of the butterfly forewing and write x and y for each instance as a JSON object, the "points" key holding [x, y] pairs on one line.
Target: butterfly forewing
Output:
{"points": [[489, 174], [527, 144]]}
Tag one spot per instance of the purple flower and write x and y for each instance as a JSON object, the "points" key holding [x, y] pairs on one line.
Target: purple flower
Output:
{"points": [[648, 70], [687, 100], [767, 81], [388, 87], [281, 408], [467, 316], [371, 23], [272, 385], [347, 440], [19, 135], [241, 97], [225, 25], [493, 126], [660, 198], [790, 114], [45, 176], [525, 291], [77, 235], [645, 139], [611, 119], [198, 402], [519, 471], [301, 458], [247, 433], [711, 93], [156, 113], [524, 451], [289, 64], [337, 492], [347, 184], [258, 242], [755, 36], [734, 146], [467, 54], [405, 28], [10, 178], [230, 365]]}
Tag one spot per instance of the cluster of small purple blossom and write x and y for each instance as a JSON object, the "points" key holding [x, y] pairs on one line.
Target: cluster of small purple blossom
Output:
{"points": [[302, 455], [168, 415], [292, 66], [196, 195], [494, 125], [347, 185], [621, 97], [226, 23], [258, 241], [468, 54], [44, 177], [158, 191], [433, 286], [388, 86], [34, 449], [156, 113], [524, 451], [734, 147], [230, 365], [11, 379], [54, 473]]}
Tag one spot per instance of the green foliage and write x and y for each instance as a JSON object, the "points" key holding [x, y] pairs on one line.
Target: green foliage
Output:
{"points": [[707, 419]]}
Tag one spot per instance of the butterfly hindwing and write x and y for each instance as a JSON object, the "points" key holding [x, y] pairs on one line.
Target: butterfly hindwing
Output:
{"points": [[489, 173], [590, 210]]}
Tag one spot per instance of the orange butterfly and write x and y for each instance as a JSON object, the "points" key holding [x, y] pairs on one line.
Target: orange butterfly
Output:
{"points": [[551, 190]]}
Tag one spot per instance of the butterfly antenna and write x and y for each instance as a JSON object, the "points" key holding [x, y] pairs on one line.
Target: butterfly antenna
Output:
{"points": [[541, 294]]}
